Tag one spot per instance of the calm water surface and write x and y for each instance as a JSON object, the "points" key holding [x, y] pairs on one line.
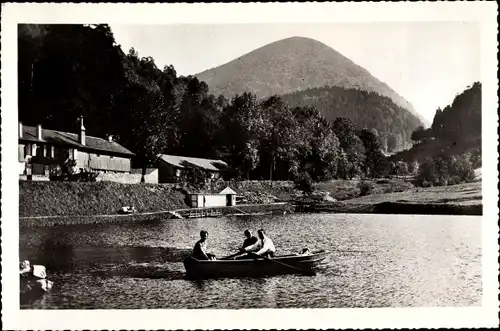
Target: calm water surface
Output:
{"points": [[375, 261]]}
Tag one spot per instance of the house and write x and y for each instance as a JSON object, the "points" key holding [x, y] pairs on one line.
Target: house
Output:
{"points": [[172, 167], [42, 151], [227, 197]]}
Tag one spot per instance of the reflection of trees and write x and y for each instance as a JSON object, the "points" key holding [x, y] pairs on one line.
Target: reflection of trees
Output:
{"points": [[56, 255]]}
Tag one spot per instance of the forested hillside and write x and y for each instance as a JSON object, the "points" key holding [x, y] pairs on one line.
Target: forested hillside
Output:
{"points": [[455, 130], [365, 109]]}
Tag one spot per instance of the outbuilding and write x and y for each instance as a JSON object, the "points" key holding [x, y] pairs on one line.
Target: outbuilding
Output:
{"points": [[226, 197]]}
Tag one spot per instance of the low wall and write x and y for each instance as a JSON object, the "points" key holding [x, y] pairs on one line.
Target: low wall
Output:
{"points": [[132, 178], [35, 178]]}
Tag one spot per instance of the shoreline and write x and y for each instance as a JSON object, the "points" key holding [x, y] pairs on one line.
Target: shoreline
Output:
{"points": [[261, 209]]}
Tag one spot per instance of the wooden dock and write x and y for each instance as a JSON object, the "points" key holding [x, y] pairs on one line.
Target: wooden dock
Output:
{"points": [[240, 210]]}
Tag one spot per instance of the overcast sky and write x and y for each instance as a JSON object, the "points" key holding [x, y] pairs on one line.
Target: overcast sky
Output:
{"points": [[427, 63]]}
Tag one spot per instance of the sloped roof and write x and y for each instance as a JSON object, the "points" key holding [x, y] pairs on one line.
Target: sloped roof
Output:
{"points": [[188, 162], [66, 138], [227, 190]]}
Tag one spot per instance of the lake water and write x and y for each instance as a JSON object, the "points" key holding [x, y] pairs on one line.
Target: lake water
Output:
{"points": [[375, 261]]}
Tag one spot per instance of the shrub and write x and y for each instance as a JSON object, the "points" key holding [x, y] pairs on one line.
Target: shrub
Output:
{"points": [[475, 158], [442, 171], [389, 189], [365, 188], [413, 168], [194, 178], [304, 183], [401, 168]]}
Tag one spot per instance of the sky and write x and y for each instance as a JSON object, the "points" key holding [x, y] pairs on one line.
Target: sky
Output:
{"points": [[427, 63]]}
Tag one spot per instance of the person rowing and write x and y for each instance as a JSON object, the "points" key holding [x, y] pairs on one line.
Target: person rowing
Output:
{"points": [[263, 247], [200, 248], [250, 240]]}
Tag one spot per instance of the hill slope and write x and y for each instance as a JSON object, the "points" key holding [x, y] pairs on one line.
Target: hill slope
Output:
{"points": [[455, 130], [293, 64], [365, 109]]}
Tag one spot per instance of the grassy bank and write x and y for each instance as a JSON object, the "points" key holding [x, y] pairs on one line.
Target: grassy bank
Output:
{"points": [[69, 198], [267, 192], [460, 194]]}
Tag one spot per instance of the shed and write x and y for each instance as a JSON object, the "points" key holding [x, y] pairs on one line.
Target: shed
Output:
{"points": [[230, 196], [226, 197]]}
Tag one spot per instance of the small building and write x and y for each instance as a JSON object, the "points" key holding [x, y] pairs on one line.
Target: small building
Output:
{"points": [[172, 167], [226, 197], [42, 151], [230, 196]]}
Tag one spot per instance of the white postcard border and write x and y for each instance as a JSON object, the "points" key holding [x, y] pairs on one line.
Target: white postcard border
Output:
{"points": [[13, 318]]}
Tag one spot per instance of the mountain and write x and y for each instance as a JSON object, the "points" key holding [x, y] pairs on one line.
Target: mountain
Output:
{"points": [[293, 64], [394, 123]]}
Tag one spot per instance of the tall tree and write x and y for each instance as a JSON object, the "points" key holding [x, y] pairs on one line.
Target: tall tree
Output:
{"points": [[142, 119], [278, 139], [351, 144], [242, 125], [375, 161], [67, 71]]}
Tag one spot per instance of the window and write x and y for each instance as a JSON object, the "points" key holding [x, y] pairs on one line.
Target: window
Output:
{"points": [[27, 149], [52, 151], [45, 151]]}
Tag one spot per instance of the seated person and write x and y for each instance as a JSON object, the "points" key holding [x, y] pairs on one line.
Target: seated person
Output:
{"points": [[263, 247], [249, 241], [200, 248]]}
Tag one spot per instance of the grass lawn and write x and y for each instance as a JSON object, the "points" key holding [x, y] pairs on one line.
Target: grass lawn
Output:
{"points": [[461, 194]]}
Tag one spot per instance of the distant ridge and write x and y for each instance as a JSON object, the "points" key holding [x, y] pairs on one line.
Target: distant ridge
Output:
{"points": [[294, 64]]}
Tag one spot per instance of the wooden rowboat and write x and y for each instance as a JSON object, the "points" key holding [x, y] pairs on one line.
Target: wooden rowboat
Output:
{"points": [[253, 267]]}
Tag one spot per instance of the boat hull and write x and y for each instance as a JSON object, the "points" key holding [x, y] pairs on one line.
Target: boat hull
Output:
{"points": [[291, 264]]}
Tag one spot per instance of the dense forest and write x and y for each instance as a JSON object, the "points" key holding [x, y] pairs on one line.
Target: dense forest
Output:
{"points": [[450, 150], [455, 130], [66, 71], [393, 123]]}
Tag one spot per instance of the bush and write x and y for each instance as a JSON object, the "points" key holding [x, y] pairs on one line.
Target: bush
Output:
{"points": [[304, 183], [442, 171], [365, 188], [194, 178], [475, 158], [413, 168]]}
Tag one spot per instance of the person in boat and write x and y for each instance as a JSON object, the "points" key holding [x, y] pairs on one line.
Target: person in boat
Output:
{"points": [[200, 248], [263, 247], [249, 240]]}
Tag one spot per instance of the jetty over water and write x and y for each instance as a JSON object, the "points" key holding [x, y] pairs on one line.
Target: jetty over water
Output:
{"points": [[238, 210]]}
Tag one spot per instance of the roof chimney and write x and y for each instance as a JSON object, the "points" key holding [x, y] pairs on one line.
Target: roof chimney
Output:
{"points": [[110, 137], [81, 135], [39, 132], [20, 129]]}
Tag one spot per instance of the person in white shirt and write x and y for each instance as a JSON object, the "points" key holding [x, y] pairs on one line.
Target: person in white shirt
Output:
{"points": [[263, 247]]}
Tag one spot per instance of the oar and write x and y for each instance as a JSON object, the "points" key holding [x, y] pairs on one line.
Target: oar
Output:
{"points": [[302, 270], [231, 256]]}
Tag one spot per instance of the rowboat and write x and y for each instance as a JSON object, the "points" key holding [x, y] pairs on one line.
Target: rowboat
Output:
{"points": [[254, 267]]}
